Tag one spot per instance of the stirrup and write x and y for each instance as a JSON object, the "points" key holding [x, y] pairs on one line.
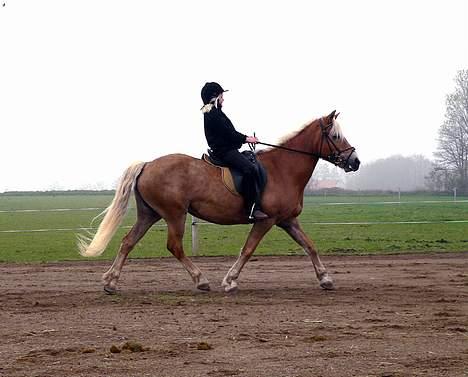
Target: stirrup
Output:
{"points": [[251, 217], [260, 215]]}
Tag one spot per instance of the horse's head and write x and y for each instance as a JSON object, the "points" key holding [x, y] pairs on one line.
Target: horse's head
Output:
{"points": [[333, 145]]}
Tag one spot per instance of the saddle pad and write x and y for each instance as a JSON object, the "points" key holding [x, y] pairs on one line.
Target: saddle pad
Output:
{"points": [[226, 175]]}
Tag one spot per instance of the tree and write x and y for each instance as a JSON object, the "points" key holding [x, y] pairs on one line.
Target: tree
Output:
{"points": [[392, 173], [325, 173], [440, 179], [452, 150]]}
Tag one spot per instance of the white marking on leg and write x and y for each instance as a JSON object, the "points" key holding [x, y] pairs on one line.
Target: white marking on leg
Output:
{"points": [[256, 233], [201, 282], [230, 280]]}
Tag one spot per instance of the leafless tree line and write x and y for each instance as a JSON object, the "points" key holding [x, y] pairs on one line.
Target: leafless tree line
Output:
{"points": [[451, 165]]}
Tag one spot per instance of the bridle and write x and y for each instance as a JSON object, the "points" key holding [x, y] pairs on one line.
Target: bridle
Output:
{"points": [[335, 157]]}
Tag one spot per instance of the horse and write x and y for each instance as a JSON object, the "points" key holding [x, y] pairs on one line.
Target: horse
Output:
{"points": [[171, 186]]}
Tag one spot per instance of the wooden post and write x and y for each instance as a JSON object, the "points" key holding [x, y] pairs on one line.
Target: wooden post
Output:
{"points": [[194, 236]]}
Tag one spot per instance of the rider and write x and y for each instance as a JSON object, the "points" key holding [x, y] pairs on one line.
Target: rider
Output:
{"points": [[224, 141]]}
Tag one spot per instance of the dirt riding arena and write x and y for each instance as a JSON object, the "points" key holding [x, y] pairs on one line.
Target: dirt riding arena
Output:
{"points": [[390, 316]]}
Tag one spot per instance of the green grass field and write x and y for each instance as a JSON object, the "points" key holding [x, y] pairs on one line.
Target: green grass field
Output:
{"points": [[50, 235]]}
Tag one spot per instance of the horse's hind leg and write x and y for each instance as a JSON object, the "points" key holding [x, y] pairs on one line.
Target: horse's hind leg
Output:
{"points": [[175, 234], [293, 228], [146, 217]]}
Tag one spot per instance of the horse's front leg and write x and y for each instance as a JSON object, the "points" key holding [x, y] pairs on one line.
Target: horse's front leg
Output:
{"points": [[293, 228], [255, 236]]}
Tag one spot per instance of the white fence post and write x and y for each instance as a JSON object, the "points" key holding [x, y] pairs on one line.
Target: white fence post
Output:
{"points": [[194, 236]]}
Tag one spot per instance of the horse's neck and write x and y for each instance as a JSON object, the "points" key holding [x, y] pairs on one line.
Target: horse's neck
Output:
{"points": [[297, 167]]}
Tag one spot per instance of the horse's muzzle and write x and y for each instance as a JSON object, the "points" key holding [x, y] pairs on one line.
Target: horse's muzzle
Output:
{"points": [[352, 162]]}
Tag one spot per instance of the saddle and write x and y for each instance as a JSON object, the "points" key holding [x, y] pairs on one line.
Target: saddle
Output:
{"points": [[233, 178]]}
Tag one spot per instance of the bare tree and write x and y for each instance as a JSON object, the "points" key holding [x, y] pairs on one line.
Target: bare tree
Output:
{"points": [[440, 179], [452, 150]]}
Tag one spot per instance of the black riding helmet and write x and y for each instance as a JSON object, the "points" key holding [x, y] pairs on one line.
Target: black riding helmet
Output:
{"points": [[211, 90]]}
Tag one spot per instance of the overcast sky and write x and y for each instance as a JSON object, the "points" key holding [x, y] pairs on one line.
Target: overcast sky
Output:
{"points": [[86, 87]]}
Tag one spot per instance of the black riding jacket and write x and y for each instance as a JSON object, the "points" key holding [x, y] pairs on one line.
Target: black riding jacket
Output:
{"points": [[220, 132]]}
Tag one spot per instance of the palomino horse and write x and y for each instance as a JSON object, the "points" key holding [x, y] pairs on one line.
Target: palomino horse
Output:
{"points": [[174, 185]]}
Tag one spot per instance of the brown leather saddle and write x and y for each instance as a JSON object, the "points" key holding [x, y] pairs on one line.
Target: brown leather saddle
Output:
{"points": [[233, 178]]}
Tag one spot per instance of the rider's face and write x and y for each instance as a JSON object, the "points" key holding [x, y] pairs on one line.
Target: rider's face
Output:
{"points": [[220, 99]]}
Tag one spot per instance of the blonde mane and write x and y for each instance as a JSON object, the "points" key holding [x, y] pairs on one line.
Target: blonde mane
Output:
{"points": [[334, 131]]}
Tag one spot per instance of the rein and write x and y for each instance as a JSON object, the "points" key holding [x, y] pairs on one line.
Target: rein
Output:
{"points": [[335, 158], [290, 149]]}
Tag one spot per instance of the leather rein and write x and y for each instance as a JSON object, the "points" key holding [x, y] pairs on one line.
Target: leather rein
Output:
{"points": [[335, 157]]}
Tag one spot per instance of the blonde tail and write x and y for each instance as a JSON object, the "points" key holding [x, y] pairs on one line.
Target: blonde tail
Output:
{"points": [[114, 214]]}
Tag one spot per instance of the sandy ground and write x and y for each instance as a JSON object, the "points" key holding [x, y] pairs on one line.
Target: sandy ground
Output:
{"points": [[389, 316]]}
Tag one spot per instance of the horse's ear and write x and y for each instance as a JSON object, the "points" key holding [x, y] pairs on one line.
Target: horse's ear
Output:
{"points": [[332, 116], [336, 115]]}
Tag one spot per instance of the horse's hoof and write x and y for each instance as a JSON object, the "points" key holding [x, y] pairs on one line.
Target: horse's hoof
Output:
{"points": [[327, 284], [204, 287], [110, 290], [231, 287]]}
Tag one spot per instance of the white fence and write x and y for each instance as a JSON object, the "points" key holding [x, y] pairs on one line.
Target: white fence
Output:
{"points": [[195, 222]]}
